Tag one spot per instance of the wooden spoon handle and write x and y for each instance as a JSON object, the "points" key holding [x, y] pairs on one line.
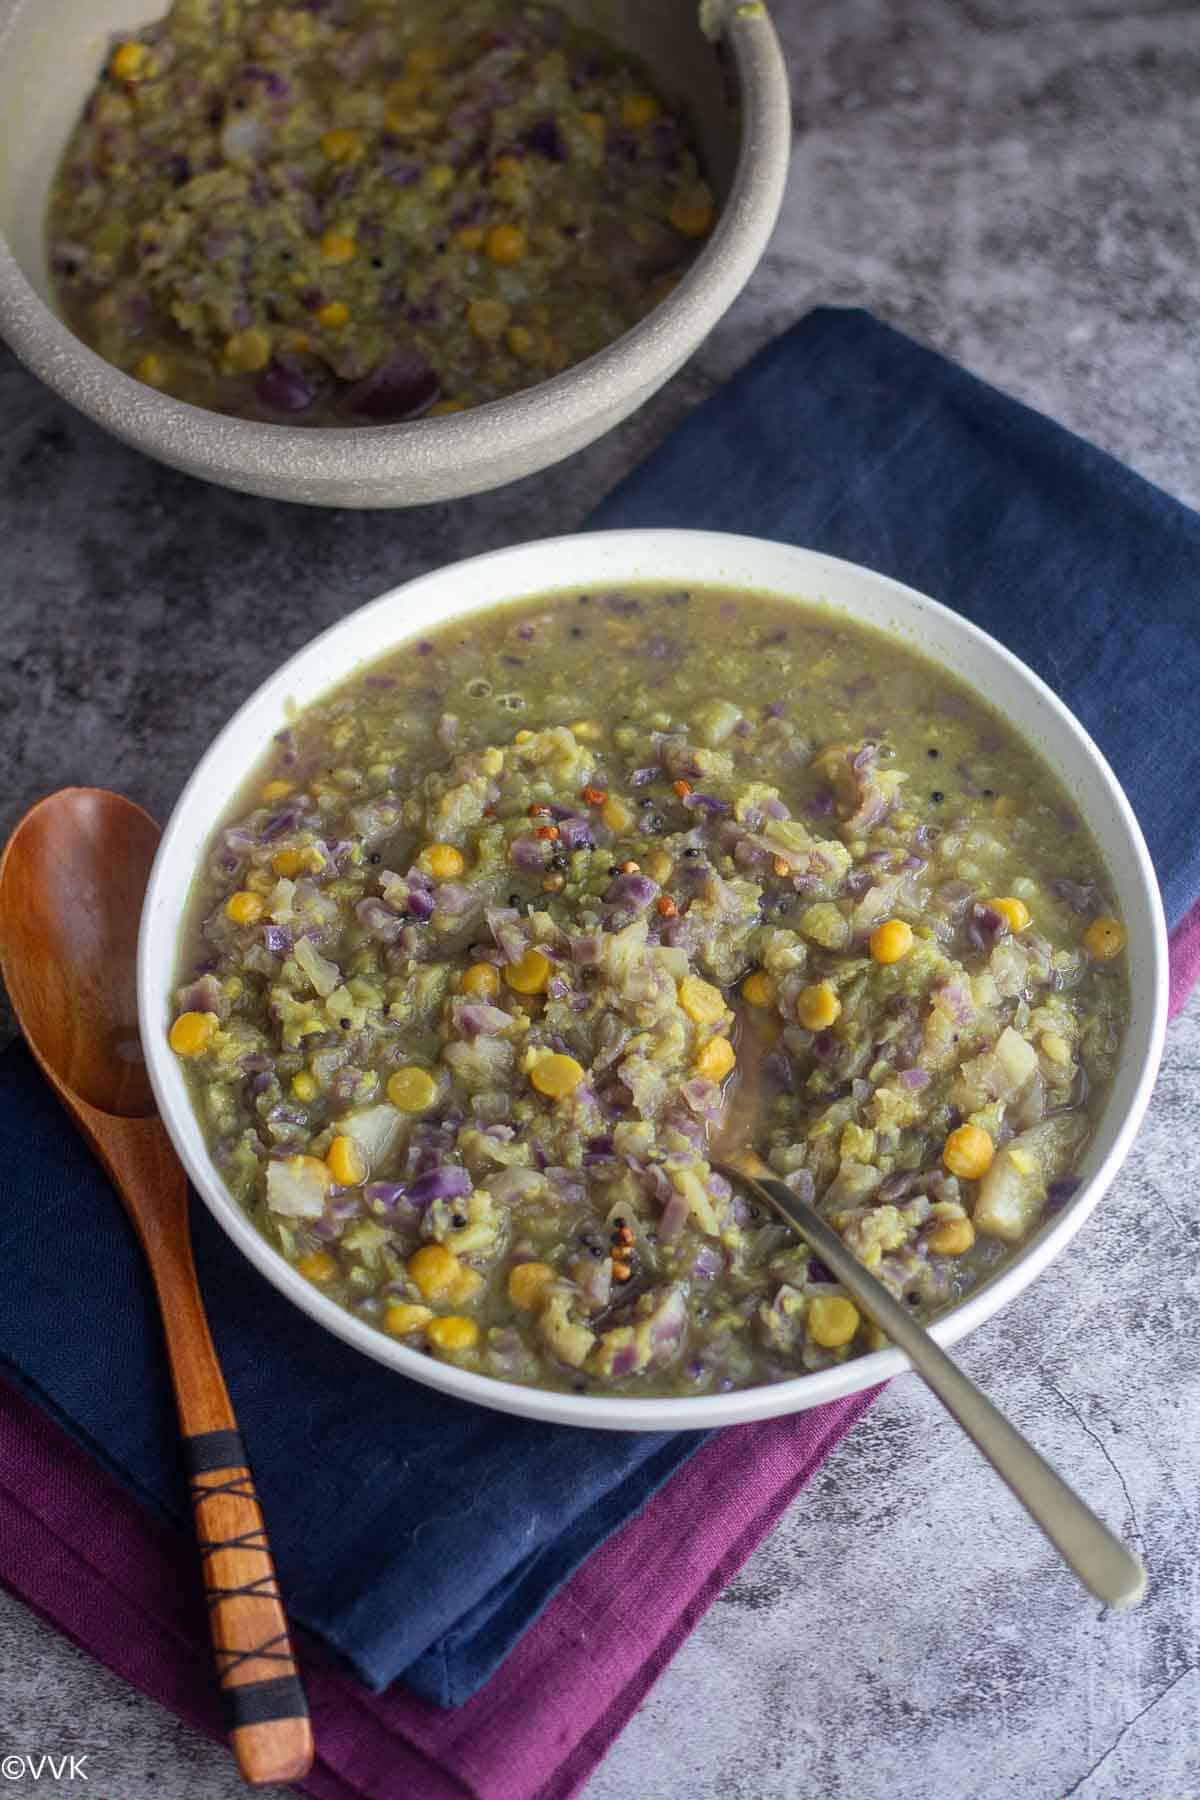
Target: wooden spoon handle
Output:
{"points": [[264, 1701], [265, 1709]]}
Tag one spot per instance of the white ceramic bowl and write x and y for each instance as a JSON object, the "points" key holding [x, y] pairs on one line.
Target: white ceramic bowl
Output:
{"points": [[613, 559], [720, 61]]}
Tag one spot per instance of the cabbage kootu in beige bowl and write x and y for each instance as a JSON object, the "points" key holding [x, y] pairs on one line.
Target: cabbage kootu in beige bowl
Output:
{"points": [[289, 237]]}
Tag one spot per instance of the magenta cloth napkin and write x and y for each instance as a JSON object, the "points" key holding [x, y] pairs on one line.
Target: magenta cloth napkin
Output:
{"points": [[1185, 959]]}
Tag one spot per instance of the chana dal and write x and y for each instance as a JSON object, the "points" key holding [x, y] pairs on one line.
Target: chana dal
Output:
{"points": [[507, 934]]}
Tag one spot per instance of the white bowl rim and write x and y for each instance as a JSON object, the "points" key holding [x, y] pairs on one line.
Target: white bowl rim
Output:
{"points": [[607, 1411], [236, 451]]}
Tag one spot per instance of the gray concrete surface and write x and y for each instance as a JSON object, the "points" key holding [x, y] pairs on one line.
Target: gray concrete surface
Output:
{"points": [[1014, 181]]}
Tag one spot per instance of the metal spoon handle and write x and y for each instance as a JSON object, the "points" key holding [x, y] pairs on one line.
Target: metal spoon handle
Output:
{"points": [[1104, 1565]]}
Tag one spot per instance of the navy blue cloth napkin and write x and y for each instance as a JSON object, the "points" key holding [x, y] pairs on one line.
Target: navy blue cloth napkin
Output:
{"points": [[419, 1537]]}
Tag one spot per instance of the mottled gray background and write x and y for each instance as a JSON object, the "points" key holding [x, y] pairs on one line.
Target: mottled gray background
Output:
{"points": [[1014, 181]]}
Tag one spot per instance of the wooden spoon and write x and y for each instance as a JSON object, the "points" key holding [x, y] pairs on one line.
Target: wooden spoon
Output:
{"points": [[71, 884]]}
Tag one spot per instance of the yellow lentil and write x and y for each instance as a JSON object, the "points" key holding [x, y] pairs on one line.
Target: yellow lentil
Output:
{"points": [[758, 989], [530, 975], [452, 1333], [891, 941], [700, 1000], [968, 1152], [556, 1076], [527, 1283], [715, 1060], [950, 1237], [832, 1321], [412, 1089], [1105, 938], [818, 1007], [192, 1033], [244, 908], [319, 1266]]}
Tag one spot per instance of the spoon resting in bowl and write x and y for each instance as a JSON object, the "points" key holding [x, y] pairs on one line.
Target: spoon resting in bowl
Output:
{"points": [[1104, 1565], [72, 879]]}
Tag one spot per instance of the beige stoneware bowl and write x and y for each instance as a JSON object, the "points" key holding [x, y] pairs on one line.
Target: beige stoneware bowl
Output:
{"points": [[720, 61], [611, 559]]}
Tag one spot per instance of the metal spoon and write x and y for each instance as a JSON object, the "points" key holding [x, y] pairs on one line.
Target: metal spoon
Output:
{"points": [[1104, 1565], [71, 884]]}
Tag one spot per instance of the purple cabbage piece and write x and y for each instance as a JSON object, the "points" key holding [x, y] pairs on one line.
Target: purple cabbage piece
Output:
{"points": [[473, 1017], [903, 1183], [282, 387], [204, 995], [1080, 896], [526, 853], [403, 386], [276, 85], [505, 926], [277, 940], [667, 1322], [282, 821], [575, 833], [420, 904], [802, 1185], [445, 1183], [707, 803], [593, 1276], [707, 1264], [624, 1360], [453, 898], [379, 920], [914, 1078], [643, 777], [545, 139], [703, 1097], [984, 926], [568, 1185], [1059, 1192], [404, 174], [631, 890]]}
